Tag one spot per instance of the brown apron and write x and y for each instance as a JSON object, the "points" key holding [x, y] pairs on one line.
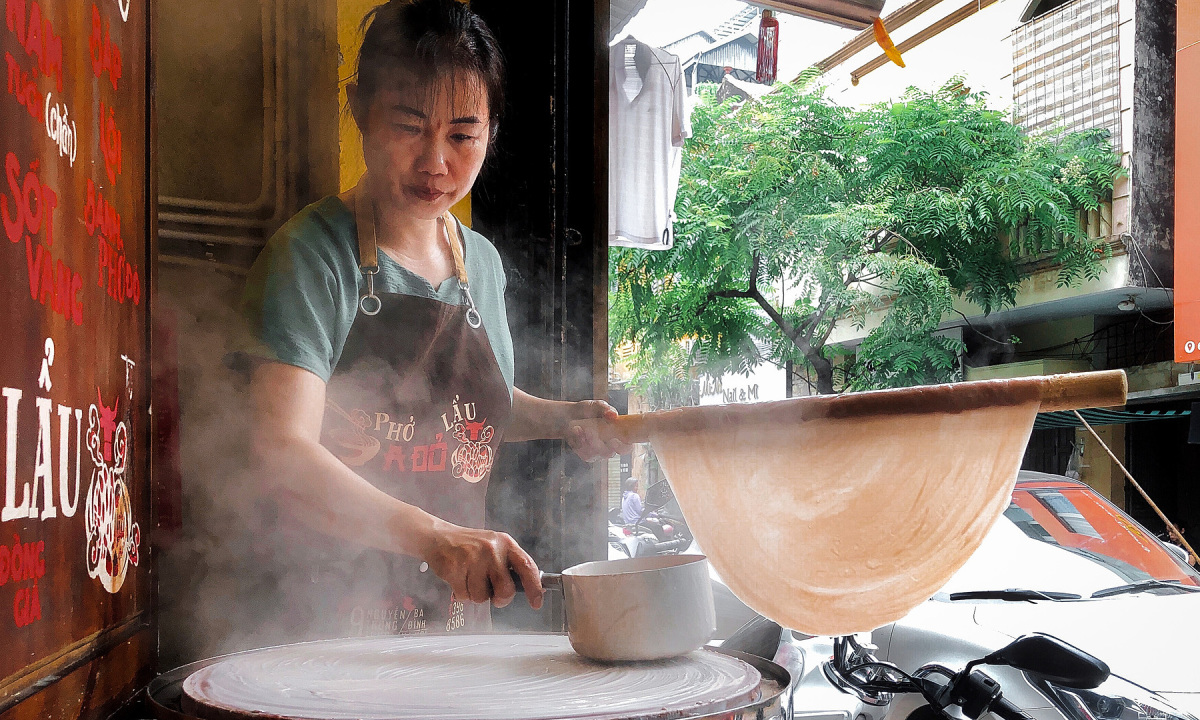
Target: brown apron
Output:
{"points": [[417, 405]]}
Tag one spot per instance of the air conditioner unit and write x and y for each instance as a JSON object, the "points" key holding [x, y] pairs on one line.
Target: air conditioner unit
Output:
{"points": [[853, 14]]}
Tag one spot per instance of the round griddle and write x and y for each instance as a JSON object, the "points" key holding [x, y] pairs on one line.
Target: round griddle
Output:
{"points": [[465, 677]]}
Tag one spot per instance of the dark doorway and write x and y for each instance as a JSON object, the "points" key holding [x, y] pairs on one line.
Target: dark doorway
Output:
{"points": [[1167, 467], [1049, 450], [542, 202]]}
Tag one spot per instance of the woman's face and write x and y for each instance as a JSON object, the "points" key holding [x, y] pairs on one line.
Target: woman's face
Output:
{"points": [[424, 149]]}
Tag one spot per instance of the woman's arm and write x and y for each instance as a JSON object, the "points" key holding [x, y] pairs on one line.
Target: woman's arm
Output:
{"points": [[317, 488], [586, 425]]}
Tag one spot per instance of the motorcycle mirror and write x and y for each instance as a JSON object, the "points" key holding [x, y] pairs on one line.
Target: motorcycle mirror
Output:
{"points": [[1053, 660], [1178, 552], [759, 637]]}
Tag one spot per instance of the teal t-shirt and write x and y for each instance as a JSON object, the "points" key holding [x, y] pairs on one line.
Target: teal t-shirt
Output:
{"points": [[302, 292]]}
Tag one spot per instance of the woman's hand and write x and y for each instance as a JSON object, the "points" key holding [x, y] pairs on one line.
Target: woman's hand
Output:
{"points": [[475, 563], [588, 426], [591, 430]]}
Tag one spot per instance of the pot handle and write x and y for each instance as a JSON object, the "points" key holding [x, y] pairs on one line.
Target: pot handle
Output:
{"points": [[550, 581]]}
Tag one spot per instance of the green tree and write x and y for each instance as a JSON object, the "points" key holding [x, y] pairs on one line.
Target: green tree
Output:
{"points": [[896, 208]]}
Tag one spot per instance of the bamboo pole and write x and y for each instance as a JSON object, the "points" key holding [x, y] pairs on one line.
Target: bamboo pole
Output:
{"points": [[1105, 388], [1174, 531]]}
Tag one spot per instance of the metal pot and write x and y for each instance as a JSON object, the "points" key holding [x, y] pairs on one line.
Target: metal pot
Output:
{"points": [[639, 608]]}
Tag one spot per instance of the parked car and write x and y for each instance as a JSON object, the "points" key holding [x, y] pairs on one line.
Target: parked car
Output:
{"points": [[1066, 562]]}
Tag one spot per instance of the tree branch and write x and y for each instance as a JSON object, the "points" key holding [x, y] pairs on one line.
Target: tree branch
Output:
{"points": [[811, 385], [814, 322], [812, 325], [976, 330], [731, 293], [802, 341], [829, 330], [755, 263]]}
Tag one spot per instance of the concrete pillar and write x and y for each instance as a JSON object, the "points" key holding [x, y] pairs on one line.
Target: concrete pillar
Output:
{"points": [[1098, 470]]}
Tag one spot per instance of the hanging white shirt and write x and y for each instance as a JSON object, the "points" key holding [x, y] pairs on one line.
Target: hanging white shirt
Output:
{"points": [[648, 123]]}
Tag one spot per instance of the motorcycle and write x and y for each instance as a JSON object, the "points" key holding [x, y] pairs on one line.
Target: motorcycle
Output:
{"points": [[841, 677], [660, 530], [625, 543]]}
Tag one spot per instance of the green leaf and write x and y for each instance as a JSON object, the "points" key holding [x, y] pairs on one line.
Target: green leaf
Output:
{"points": [[961, 196]]}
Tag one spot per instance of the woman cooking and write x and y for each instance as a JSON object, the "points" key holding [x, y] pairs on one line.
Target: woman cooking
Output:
{"points": [[384, 376]]}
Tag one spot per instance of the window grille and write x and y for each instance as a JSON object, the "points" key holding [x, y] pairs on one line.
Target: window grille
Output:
{"points": [[1141, 340], [1066, 70]]}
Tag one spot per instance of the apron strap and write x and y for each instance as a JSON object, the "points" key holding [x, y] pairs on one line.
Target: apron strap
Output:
{"points": [[368, 250], [454, 238], [368, 257]]}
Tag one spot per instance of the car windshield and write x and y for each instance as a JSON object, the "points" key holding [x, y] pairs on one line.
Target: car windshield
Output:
{"points": [[1063, 537]]}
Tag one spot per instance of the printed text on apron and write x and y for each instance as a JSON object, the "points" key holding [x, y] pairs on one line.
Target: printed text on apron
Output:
{"points": [[418, 406]]}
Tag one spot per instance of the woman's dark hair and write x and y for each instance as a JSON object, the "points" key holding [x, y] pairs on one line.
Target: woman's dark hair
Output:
{"points": [[432, 39]]}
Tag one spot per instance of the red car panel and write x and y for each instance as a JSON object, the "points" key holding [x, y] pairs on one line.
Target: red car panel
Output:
{"points": [[1077, 516]]}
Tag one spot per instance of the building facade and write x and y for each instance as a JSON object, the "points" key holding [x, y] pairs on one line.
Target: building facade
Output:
{"points": [[1071, 65]]}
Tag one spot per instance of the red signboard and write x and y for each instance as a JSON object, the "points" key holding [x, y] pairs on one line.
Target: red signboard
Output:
{"points": [[75, 263], [1187, 185]]}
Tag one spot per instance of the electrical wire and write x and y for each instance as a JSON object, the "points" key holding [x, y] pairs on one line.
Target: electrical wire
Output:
{"points": [[1156, 322], [1140, 255], [1086, 343]]}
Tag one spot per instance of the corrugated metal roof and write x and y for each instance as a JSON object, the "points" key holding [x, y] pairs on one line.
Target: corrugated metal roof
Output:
{"points": [[733, 43], [740, 53], [686, 48], [620, 12], [736, 24]]}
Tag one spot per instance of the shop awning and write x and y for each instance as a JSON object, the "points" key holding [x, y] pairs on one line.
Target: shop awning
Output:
{"points": [[1067, 419]]}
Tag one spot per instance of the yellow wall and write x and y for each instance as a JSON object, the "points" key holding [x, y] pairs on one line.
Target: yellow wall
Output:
{"points": [[350, 15]]}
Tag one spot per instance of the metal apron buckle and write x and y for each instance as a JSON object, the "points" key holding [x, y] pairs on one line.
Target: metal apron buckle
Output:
{"points": [[473, 317], [370, 303]]}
